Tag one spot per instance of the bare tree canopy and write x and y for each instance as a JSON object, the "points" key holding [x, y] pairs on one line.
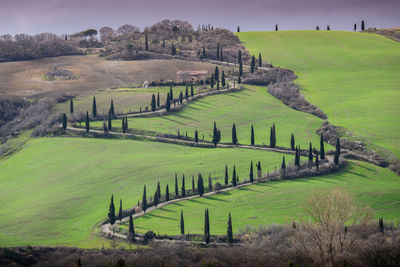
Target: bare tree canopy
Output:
{"points": [[127, 29]]}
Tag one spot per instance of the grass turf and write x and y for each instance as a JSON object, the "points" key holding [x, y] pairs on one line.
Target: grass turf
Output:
{"points": [[252, 105], [352, 77], [55, 190], [278, 202]]}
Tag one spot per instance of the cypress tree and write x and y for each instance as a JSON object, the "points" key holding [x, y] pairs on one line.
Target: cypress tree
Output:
{"points": [[259, 60], [297, 158], [252, 135], [196, 136], [337, 152], [223, 79], [191, 90], [316, 161], [322, 149], [182, 225], [217, 84], [71, 106], [64, 121], [381, 225], [200, 185], [204, 52], [167, 193], [181, 97], [123, 125], [206, 227], [126, 123], [240, 69], [171, 94], [328, 28], [131, 231], [276, 27], [238, 29], [146, 41], [216, 73], [317, 28], [94, 107], [310, 155], [120, 210], [251, 172], [156, 199], [111, 211], [226, 175], [168, 103], [209, 183], [212, 81], [87, 126], [158, 99], [153, 103], [229, 232], [252, 64], [221, 55], [193, 185], [158, 191], [215, 134], [234, 176], [187, 92], [173, 50], [355, 27], [239, 80], [109, 120], [112, 108], [176, 185], [283, 166], [218, 50], [292, 143], [258, 165], [144, 200], [234, 136], [362, 25], [183, 186]]}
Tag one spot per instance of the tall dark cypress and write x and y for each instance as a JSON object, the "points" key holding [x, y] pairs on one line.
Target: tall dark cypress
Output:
{"points": [[182, 224], [200, 185], [71, 106], [234, 136], [259, 60], [94, 107], [274, 132], [144, 200], [146, 42], [193, 185], [276, 27], [176, 185], [109, 120], [126, 123], [131, 232], [322, 149], [316, 161], [112, 108], [229, 232], [212, 81], [234, 176], [226, 175], [216, 73], [123, 125], [120, 210], [362, 26], [181, 97], [297, 158], [337, 152], [221, 55], [215, 134], [153, 103], [252, 64], [173, 50], [158, 190], [252, 135], [158, 99], [87, 126], [168, 103], [251, 172], [239, 80], [111, 211], [240, 70], [271, 138], [218, 50], [238, 29], [204, 52], [167, 193], [187, 92], [183, 186], [310, 154], [283, 165], [209, 183], [191, 90], [206, 227], [223, 79], [292, 143], [355, 27], [171, 93], [196, 136], [64, 121]]}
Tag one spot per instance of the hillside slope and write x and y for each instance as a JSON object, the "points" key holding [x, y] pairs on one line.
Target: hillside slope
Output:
{"points": [[352, 77]]}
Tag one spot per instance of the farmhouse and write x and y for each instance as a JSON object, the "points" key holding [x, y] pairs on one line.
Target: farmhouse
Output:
{"points": [[191, 76]]}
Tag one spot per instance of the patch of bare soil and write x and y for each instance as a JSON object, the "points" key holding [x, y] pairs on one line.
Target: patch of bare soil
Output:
{"points": [[24, 78]]}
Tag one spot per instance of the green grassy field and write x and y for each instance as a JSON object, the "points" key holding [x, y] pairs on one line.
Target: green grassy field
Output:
{"points": [[125, 99], [55, 190], [352, 77], [250, 106], [278, 202]]}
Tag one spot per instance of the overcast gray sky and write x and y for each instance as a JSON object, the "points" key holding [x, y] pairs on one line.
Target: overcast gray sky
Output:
{"points": [[70, 16]]}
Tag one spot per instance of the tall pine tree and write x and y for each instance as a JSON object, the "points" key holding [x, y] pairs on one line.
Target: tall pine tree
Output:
{"points": [[176, 185], [252, 135], [259, 60], [362, 25], [212, 81], [215, 134], [112, 108], [200, 185], [167, 193], [183, 186], [109, 120], [71, 106], [234, 136], [322, 149], [158, 99], [94, 108], [153, 103], [196, 136], [144, 200], [146, 42], [337, 152], [111, 211], [223, 79], [251, 172], [292, 143], [226, 175], [187, 92], [229, 232], [64, 121], [131, 231], [87, 123], [206, 227], [182, 224], [120, 210], [168, 103], [310, 154], [191, 90], [252, 64], [234, 176]]}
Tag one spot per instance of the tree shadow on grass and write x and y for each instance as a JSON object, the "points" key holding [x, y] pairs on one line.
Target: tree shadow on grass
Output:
{"points": [[178, 122], [216, 199], [179, 204], [198, 201], [186, 117], [162, 217]]}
